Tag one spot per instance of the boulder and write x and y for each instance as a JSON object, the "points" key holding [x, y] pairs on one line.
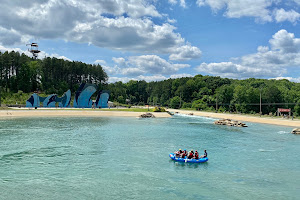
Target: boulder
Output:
{"points": [[147, 115], [230, 122], [296, 131]]}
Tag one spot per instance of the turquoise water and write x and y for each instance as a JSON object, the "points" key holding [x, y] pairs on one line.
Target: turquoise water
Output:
{"points": [[127, 158]]}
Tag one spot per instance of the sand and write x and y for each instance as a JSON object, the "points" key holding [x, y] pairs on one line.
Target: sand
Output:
{"points": [[41, 112], [244, 118]]}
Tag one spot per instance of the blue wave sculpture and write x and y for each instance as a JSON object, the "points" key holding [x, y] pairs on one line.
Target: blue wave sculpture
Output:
{"points": [[83, 96], [33, 101], [102, 99], [65, 100], [50, 101]]}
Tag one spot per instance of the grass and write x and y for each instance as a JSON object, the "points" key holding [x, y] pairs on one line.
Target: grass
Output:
{"points": [[5, 108], [129, 109]]}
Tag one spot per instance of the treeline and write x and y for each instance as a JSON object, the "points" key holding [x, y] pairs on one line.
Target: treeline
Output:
{"points": [[49, 75], [19, 72], [211, 93]]}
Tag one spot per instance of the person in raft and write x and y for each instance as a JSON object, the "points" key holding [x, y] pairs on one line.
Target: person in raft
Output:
{"points": [[183, 155], [204, 155], [196, 155], [178, 153], [191, 154]]}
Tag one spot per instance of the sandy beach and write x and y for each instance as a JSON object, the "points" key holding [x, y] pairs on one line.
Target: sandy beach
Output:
{"points": [[40, 112], [244, 118]]}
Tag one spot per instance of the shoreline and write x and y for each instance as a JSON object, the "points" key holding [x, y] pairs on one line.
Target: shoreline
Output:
{"points": [[243, 118], [72, 113], [69, 112]]}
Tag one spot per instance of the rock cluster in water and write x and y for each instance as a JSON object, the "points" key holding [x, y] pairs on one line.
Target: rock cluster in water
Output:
{"points": [[147, 115], [296, 131], [230, 122]]}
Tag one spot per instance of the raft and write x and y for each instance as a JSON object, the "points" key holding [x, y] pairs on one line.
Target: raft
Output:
{"points": [[200, 160]]}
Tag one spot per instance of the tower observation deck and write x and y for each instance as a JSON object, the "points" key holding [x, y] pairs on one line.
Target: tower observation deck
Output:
{"points": [[34, 49]]}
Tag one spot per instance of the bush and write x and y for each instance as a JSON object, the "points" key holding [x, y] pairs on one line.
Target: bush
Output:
{"points": [[199, 105], [297, 108], [159, 109], [187, 105], [175, 102], [221, 109]]}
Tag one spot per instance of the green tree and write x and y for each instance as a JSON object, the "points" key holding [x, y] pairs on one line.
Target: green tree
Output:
{"points": [[199, 104], [175, 102]]}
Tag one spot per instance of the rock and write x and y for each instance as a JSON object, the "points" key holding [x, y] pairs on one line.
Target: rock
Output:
{"points": [[170, 113], [230, 122], [147, 115], [296, 131]]}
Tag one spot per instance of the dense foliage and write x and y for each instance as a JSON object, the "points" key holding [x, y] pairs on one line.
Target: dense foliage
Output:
{"points": [[50, 75], [211, 93]]}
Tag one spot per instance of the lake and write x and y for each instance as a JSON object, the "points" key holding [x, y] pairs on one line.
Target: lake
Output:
{"points": [[128, 158]]}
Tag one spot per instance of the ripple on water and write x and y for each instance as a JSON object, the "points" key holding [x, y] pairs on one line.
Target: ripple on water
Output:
{"points": [[105, 158]]}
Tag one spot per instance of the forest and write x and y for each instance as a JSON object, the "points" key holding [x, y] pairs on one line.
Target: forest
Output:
{"points": [[211, 93], [21, 74]]}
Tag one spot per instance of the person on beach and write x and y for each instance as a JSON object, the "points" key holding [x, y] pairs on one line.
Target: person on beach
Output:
{"points": [[196, 155], [204, 155]]}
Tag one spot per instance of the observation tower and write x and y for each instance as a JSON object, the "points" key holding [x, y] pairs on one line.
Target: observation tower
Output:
{"points": [[34, 49]]}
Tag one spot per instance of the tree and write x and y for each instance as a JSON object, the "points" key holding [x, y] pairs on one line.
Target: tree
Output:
{"points": [[199, 104], [175, 102]]}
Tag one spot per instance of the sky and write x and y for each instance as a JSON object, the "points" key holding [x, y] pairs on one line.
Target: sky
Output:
{"points": [[154, 40]]}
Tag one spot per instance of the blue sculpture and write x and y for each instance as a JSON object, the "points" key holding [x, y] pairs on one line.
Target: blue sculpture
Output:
{"points": [[83, 96], [33, 101], [102, 99], [65, 100], [50, 101]]}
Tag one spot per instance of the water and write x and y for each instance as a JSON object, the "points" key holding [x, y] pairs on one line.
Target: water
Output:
{"points": [[127, 158]]}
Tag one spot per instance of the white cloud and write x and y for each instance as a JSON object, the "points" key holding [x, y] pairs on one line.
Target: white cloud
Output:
{"points": [[262, 49], [115, 24], [233, 70], [297, 1], [282, 15], [297, 80], [113, 79], [284, 52], [141, 77], [285, 42], [181, 75], [261, 10], [146, 64], [100, 62], [171, 21], [152, 78], [173, 2], [186, 52], [182, 3]]}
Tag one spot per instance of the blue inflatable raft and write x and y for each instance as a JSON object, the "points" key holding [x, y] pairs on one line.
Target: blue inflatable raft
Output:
{"points": [[200, 160]]}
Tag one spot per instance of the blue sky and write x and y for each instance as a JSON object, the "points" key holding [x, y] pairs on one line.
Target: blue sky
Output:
{"points": [[154, 40]]}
